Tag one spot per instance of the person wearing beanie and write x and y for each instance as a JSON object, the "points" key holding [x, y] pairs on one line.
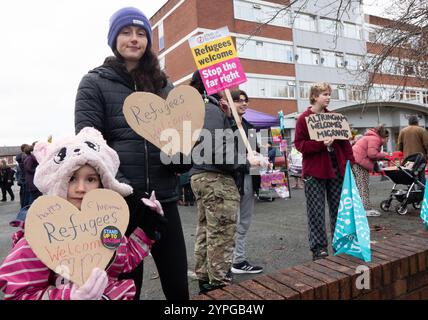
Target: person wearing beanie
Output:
{"points": [[69, 169], [128, 17], [99, 102]]}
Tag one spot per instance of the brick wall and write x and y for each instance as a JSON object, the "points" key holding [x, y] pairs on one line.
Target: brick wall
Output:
{"points": [[399, 270]]}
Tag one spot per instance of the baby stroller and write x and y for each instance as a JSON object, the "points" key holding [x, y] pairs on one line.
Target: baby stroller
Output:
{"points": [[408, 174]]}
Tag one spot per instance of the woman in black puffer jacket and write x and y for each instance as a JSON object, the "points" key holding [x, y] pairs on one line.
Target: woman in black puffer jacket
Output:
{"points": [[99, 103]]}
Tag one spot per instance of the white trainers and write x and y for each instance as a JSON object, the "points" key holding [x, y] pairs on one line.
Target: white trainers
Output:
{"points": [[372, 213]]}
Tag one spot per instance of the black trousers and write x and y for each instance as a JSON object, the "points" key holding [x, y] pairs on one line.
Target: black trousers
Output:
{"points": [[7, 188], [169, 254], [316, 191]]}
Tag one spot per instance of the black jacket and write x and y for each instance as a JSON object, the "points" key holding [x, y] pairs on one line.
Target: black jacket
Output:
{"points": [[7, 176], [215, 119], [20, 170], [99, 104]]}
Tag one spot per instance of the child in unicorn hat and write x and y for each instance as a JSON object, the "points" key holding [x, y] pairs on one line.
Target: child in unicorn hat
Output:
{"points": [[69, 168]]}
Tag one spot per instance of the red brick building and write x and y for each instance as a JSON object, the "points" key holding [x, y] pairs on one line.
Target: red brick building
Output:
{"points": [[177, 21], [395, 67], [284, 56]]}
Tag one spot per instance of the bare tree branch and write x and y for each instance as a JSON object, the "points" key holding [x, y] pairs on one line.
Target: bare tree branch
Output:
{"points": [[397, 51], [261, 25]]}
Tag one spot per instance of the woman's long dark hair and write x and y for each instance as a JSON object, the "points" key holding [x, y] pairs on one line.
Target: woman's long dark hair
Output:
{"points": [[148, 76]]}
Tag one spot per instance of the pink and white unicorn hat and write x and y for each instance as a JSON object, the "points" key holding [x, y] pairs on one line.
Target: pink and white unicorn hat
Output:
{"points": [[59, 160]]}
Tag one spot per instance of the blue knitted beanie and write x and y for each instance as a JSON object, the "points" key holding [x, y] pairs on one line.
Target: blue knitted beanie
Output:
{"points": [[127, 17]]}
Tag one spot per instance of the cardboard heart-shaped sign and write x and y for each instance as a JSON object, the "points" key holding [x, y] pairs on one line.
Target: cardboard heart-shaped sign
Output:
{"points": [[68, 240], [173, 125]]}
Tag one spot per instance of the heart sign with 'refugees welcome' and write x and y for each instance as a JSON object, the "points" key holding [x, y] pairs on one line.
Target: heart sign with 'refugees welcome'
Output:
{"points": [[172, 125], [68, 240]]}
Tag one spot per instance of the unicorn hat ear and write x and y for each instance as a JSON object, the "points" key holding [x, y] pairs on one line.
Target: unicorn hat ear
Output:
{"points": [[92, 133], [40, 151]]}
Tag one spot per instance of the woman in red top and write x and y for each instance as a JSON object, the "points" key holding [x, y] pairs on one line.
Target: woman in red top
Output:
{"points": [[323, 169]]}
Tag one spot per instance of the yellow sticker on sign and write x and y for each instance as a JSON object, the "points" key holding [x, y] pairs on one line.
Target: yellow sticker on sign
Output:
{"points": [[214, 52]]}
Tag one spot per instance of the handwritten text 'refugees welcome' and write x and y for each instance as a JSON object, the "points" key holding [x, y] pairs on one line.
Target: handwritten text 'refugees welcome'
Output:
{"points": [[156, 110], [71, 228]]}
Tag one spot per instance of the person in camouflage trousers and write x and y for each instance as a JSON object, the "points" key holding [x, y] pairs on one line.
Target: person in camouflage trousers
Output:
{"points": [[217, 199], [216, 194]]}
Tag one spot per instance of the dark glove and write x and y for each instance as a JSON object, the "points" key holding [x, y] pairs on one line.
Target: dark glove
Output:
{"points": [[151, 220], [376, 167]]}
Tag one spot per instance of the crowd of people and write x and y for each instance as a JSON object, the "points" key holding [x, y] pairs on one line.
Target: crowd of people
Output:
{"points": [[24, 175], [107, 153]]}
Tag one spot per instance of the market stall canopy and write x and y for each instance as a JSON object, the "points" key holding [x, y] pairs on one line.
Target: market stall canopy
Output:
{"points": [[261, 120]]}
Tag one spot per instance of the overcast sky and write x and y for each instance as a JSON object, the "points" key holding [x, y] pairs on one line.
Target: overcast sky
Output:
{"points": [[47, 47]]}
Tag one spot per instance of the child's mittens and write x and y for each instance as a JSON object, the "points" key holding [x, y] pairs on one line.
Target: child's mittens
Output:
{"points": [[93, 288], [153, 204]]}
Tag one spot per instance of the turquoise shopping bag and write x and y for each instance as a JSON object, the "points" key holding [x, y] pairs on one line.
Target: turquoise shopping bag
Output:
{"points": [[424, 209], [352, 232]]}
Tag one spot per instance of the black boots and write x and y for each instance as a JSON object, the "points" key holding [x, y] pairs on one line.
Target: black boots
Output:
{"points": [[205, 286]]}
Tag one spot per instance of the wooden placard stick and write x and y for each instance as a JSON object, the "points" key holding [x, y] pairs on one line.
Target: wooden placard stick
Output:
{"points": [[239, 123]]}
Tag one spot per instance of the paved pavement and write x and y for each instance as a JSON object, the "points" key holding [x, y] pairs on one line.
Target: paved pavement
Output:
{"points": [[277, 238]]}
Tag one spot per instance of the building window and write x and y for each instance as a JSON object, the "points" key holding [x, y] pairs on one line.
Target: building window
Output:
{"points": [[246, 10], [329, 59], [378, 35], [269, 88], [261, 50], [384, 94], [353, 62], [328, 26], [308, 56], [161, 36], [375, 93], [390, 66], [305, 22], [413, 95], [340, 60], [338, 92], [414, 41], [422, 70], [351, 30], [372, 36], [409, 70], [356, 93], [304, 88], [425, 97]]}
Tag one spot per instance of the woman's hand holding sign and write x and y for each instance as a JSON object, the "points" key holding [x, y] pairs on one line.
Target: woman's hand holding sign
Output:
{"points": [[328, 142]]}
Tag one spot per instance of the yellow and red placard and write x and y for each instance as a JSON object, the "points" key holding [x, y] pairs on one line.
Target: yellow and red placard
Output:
{"points": [[217, 60]]}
